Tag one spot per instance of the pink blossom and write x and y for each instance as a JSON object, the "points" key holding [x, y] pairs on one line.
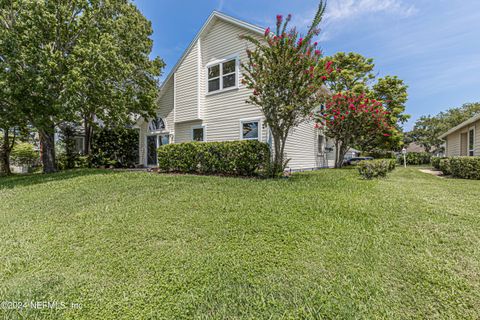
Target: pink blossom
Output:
{"points": [[267, 31]]}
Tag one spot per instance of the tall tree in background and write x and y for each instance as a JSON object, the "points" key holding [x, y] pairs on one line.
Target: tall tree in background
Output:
{"points": [[69, 59], [286, 73], [353, 72]]}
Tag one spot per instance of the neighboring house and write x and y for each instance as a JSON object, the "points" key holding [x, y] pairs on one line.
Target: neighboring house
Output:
{"points": [[415, 147], [464, 139], [202, 99]]}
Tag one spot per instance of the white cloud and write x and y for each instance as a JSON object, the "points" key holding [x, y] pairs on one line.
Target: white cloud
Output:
{"points": [[344, 9], [340, 11], [220, 5]]}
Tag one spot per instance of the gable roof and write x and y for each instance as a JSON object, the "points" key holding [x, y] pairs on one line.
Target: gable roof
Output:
{"points": [[214, 16], [461, 125]]}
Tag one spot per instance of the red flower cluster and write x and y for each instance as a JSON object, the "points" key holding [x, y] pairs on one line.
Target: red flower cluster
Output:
{"points": [[349, 112]]}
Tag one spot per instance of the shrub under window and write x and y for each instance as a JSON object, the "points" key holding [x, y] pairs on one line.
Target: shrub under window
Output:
{"points": [[241, 158]]}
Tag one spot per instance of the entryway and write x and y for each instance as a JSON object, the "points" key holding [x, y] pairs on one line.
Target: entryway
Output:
{"points": [[153, 143]]}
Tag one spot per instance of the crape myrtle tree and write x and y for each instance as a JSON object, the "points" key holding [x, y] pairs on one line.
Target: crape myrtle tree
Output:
{"points": [[352, 119], [355, 73], [286, 73], [69, 59]]}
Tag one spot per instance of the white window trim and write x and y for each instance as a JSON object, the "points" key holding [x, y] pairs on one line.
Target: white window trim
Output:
{"points": [[259, 120], [468, 141], [204, 127], [221, 75]]}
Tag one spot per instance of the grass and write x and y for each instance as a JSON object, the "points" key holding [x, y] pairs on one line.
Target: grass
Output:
{"points": [[319, 245]]}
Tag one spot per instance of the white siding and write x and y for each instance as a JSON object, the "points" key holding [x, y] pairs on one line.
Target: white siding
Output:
{"points": [[223, 111], [183, 131], [165, 105], [186, 86], [302, 147]]}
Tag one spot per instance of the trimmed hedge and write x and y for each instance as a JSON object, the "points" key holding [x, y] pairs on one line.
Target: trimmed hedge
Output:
{"points": [[239, 158], [465, 167], [418, 158], [379, 168], [444, 166], [435, 162]]}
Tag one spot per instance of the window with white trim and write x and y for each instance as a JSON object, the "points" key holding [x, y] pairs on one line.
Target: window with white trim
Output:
{"points": [[250, 130], [222, 76], [471, 142], [198, 134]]}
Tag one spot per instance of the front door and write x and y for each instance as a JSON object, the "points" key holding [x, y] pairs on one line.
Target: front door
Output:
{"points": [[152, 150]]}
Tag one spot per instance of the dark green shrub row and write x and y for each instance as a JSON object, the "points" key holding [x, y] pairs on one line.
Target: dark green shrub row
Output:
{"points": [[418, 158], [465, 167], [242, 158], [435, 162], [116, 147], [370, 169], [444, 166]]}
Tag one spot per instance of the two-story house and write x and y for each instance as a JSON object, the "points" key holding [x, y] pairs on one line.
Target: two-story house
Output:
{"points": [[202, 99]]}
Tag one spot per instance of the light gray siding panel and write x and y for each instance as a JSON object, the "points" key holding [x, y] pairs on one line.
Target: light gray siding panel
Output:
{"points": [[165, 105], [453, 144], [301, 147], [223, 111], [183, 131], [186, 93]]}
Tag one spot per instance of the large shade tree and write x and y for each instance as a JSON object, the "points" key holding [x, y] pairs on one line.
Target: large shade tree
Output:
{"points": [[286, 74], [72, 59]]}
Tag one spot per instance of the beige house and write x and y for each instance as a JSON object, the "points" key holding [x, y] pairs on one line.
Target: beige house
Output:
{"points": [[464, 139], [202, 99]]}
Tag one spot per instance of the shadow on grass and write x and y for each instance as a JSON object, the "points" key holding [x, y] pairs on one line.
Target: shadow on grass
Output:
{"points": [[14, 181]]}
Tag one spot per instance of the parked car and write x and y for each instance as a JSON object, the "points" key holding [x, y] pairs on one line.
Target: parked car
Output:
{"points": [[356, 160]]}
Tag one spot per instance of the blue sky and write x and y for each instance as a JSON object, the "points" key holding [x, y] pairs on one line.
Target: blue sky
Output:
{"points": [[433, 45]]}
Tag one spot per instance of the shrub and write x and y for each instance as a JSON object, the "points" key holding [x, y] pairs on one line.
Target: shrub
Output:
{"points": [[242, 158], [24, 154], [444, 166], [418, 158], [435, 162], [370, 169], [465, 167], [116, 147]]}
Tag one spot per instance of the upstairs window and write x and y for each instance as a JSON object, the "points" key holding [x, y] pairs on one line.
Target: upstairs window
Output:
{"points": [[222, 76]]}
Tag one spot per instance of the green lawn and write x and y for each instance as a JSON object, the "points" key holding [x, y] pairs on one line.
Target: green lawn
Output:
{"points": [[319, 245]]}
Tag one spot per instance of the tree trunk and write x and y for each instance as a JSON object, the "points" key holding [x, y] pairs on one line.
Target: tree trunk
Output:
{"points": [[5, 154], [278, 165], [340, 150], [47, 141], [87, 150]]}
